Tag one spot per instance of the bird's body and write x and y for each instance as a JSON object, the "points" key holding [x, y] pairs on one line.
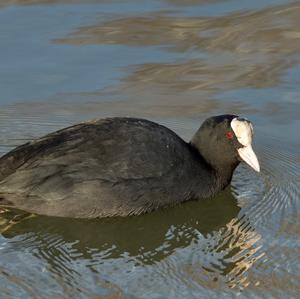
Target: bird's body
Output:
{"points": [[115, 166]]}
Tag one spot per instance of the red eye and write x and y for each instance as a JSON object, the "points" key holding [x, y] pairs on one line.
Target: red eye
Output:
{"points": [[229, 135]]}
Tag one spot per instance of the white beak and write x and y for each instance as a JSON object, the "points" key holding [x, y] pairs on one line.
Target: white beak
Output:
{"points": [[248, 155]]}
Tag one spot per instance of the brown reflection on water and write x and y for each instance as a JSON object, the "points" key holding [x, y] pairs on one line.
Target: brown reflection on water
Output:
{"points": [[240, 50], [267, 32]]}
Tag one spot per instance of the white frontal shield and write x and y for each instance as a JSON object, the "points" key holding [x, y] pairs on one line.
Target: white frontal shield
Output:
{"points": [[243, 131]]}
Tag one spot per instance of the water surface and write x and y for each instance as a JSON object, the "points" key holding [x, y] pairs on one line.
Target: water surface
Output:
{"points": [[174, 62]]}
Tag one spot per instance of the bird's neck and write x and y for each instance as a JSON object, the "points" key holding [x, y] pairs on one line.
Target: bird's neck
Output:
{"points": [[224, 174], [220, 171]]}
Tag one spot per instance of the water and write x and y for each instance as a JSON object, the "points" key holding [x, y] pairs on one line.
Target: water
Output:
{"points": [[175, 62]]}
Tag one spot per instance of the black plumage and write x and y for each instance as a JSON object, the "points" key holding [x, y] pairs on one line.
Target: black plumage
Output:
{"points": [[117, 166]]}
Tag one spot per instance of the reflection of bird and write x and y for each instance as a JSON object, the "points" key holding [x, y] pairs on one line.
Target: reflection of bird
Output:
{"points": [[220, 244], [148, 238], [123, 166]]}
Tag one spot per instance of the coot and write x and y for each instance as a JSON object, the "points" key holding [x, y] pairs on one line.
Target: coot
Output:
{"points": [[123, 166]]}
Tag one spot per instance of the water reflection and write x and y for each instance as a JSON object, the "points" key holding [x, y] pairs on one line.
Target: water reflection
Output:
{"points": [[264, 33], [149, 237], [222, 244], [243, 50], [235, 250]]}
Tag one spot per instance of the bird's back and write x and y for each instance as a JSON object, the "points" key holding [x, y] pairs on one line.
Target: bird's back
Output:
{"points": [[114, 166]]}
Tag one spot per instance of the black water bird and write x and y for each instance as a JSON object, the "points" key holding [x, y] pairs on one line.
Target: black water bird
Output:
{"points": [[123, 166]]}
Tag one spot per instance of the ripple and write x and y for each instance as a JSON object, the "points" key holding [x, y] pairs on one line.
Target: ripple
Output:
{"points": [[272, 197], [219, 260], [271, 204]]}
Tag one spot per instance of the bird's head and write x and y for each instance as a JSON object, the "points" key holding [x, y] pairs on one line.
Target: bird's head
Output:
{"points": [[224, 141]]}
